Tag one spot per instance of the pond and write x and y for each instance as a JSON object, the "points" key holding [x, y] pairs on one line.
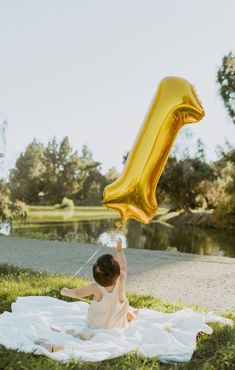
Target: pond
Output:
{"points": [[155, 236]]}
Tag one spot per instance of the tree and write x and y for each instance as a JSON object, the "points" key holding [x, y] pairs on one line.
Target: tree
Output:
{"points": [[112, 175], [91, 181], [26, 179], [200, 153], [61, 175], [46, 175], [226, 80], [124, 157], [180, 181], [225, 210], [226, 160], [10, 210]]}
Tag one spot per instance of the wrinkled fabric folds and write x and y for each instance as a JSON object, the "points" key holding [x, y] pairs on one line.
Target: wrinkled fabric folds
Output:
{"points": [[168, 337]]}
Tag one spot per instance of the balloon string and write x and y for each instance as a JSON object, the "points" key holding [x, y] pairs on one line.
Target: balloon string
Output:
{"points": [[80, 268]]}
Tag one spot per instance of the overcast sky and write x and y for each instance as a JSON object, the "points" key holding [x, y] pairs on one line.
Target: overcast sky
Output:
{"points": [[89, 69]]}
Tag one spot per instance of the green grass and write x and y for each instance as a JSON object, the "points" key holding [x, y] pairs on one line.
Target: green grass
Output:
{"points": [[48, 214], [215, 352]]}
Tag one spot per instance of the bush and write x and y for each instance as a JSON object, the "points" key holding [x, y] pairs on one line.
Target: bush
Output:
{"points": [[66, 203], [224, 215], [10, 210]]}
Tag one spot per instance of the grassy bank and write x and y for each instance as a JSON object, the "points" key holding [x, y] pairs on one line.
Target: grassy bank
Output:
{"points": [[50, 214], [41, 215], [215, 352]]}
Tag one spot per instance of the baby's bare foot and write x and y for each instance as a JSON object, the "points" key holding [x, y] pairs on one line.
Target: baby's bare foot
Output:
{"points": [[136, 312]]}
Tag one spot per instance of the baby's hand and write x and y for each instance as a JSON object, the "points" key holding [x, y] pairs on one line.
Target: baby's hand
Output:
{"points": [[118, 247], [64, 291]]}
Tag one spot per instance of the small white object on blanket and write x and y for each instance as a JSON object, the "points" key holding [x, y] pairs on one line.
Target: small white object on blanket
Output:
{"points": [[86, 334], [168, 337]]}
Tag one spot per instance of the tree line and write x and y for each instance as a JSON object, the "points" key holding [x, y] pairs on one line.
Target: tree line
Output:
{"points": [[47, 174]]}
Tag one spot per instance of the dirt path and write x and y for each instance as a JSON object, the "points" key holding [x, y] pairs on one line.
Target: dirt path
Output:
{"points": [[189, 278]]}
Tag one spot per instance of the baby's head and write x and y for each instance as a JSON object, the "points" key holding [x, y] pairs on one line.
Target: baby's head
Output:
{"points": [[106, 270]]}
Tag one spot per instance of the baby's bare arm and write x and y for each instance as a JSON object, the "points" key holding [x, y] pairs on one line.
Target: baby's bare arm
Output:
{"points": [[120, 256], [122, 261], [78, 292], [122, 287]]}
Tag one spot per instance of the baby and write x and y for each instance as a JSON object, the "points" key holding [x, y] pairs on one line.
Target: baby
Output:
{"points": [[110, 307]]}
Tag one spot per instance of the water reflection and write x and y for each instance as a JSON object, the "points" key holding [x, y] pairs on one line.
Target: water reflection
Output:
{"points": [[183, 239], [156, 235], [5, 228]]}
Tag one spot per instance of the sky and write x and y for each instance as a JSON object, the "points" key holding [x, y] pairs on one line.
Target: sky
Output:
{"points": [[89, 69]]}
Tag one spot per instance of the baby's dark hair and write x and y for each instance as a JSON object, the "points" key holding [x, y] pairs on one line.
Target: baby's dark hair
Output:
{"points": [[106, 270]]}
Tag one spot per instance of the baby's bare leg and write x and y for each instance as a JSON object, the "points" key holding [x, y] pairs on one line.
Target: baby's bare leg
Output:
{"points": [[131, 315]]}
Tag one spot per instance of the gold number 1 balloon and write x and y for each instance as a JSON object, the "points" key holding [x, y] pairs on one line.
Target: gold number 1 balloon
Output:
{"points": [[133, 194]]}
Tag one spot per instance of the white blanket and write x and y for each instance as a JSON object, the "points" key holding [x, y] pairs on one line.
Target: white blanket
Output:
{"points": [[168, 337]]}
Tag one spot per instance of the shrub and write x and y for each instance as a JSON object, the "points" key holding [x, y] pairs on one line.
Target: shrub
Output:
{"points": [[11, 210], [66, 203]]}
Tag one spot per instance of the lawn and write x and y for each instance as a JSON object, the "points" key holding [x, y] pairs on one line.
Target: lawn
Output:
{"points": [[49, 214], [215, 352]]}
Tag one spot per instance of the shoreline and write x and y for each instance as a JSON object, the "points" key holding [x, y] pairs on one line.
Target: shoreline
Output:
{"points": [[203, 219], [207, 281]]}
